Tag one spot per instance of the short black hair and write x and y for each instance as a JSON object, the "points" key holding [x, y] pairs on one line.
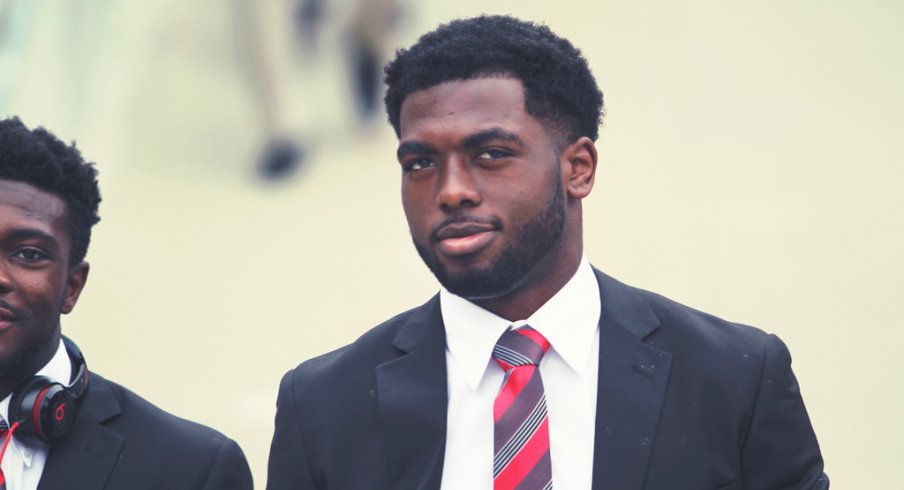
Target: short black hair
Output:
{"points": [[559, 88], [38, 158]]}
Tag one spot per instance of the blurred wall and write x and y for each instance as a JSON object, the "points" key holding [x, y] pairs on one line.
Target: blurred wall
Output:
{"points": [[752, 165]]}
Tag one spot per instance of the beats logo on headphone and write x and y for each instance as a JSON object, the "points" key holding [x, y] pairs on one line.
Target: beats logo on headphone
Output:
{"points": [[44, 408]]}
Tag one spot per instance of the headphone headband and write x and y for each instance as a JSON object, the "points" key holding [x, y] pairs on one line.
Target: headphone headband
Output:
{"points": [[79, 383]]}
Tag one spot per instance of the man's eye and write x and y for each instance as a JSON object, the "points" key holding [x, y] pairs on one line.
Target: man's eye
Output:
{"points": [[493, 154], [418, 164], [30, 254]]}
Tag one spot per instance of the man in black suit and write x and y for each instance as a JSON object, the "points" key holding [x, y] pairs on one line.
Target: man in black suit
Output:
{"points": [[63, 427], [496, 120]]}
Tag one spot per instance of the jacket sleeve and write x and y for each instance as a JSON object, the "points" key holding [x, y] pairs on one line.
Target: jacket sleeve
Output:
{"points": [[288, 466], [229, 470], [781, 451]]}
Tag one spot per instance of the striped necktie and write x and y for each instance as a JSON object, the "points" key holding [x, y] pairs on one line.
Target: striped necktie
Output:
{"points": [[4, 430], [521, 435]]}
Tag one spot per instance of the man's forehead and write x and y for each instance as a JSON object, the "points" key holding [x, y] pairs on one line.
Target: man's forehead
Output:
{"points": [[481, 98], [34, 201]]}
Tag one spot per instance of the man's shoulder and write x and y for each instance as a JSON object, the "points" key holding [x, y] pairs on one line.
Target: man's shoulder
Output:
{"points": [[679, 318], [150, 447], [706, 354], [682, 327], [137, 417]]}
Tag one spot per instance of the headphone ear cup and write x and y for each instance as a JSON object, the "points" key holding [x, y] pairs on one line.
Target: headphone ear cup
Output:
{"points": [[21, 406], [44, 409]]}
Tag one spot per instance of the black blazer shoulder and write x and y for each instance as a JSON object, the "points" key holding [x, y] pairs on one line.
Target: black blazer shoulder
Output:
{"points": [[384, 394], [699, 343], [122, 441], [728, 395]]}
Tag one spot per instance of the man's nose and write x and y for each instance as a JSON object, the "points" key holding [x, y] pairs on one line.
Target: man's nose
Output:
{"points": [[6, 284], [458, 186]]}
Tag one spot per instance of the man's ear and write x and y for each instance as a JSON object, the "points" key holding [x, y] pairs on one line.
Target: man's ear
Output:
{"points": [[579, 160], [76, 280]]}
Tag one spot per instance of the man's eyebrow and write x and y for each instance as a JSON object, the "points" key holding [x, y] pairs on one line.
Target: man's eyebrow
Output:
{"points": [[18, 234], [418, 147], [482, 137]]}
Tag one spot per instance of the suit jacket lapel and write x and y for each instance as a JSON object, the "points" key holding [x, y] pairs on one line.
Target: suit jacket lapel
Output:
{"points": [[633, 376], [85, 458], [412, 399]]}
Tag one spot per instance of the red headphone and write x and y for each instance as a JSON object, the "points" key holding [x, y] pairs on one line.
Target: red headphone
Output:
{"points": [[44, 408]]}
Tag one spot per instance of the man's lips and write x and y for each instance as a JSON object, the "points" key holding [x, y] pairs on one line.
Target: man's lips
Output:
{"points": [[7, 318], [464, 238], [458, 230], [7, 315]]}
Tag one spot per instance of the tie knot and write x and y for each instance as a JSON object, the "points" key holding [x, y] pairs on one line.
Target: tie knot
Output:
{"points": [[520, 347]]}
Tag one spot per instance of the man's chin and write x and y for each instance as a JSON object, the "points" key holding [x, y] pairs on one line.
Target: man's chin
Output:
{"points": [[18, 361], [12, 365], [495, 278], [477, 284]]}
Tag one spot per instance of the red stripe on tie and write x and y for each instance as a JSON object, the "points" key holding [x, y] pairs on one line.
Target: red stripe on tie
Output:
{"points": [[523, 462], [516, 382], [535, 336]]}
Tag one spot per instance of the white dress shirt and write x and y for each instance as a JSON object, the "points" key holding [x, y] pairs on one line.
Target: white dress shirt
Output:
{"points": [[23, 464], [570, 322]]}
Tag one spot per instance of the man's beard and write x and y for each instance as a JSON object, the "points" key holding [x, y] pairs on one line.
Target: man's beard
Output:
{"points": [[22, 364], [17, 366], [534, 240]]}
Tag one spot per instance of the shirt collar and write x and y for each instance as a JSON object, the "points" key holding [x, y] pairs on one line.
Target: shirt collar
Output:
{"points": [[59, 369], [569, 321]]}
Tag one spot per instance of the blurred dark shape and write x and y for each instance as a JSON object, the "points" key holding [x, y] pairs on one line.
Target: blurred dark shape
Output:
{"points": [[366, 27], [371, 31], [281, 159], [368, 70], [309, 16]]}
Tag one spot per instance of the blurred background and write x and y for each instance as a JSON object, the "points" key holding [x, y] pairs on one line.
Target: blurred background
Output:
{"points": [[752, 165]]}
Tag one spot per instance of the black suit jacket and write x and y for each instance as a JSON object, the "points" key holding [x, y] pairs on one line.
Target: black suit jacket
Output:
{"points": [[685, 401], [119, 441]]}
